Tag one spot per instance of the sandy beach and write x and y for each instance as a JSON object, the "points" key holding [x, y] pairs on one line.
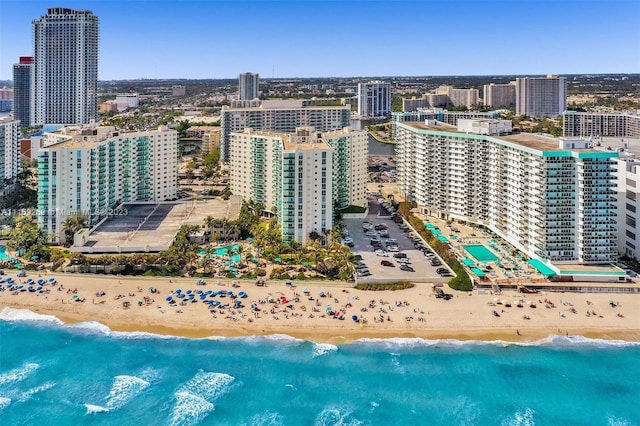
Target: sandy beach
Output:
{"points": [[309, 311]]}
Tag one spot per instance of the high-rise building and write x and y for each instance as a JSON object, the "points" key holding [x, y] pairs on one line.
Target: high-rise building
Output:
{"points": [[374, 99], [282, 116], [541, 96], [460, 97], [499, 95], [24, 91], [537, 193], [590, 124], [9, 152], [628, 189], [248, 86], [66, 66], [91, 170], [301, 176]]}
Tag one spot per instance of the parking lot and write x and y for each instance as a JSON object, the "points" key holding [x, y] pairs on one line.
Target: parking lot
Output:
{"points": [[362, 245]]}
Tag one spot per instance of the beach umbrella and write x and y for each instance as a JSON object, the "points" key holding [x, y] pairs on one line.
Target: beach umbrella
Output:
{"points": [[39, 288], [168, 298], [189, 292], [178, 291], [209, 291], [74, 297], [30, 288], [40, 281], [52, 280]]}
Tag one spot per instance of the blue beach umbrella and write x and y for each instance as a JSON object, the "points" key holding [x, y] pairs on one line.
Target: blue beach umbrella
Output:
{"points": [[169, 298]]}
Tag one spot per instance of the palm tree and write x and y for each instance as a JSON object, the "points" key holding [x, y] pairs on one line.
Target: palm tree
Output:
{"points": [[72, 224]]}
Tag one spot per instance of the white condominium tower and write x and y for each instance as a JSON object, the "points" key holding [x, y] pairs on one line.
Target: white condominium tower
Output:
{"points": [[91, 170], [279, 116], [374, 99], [66, 66], [541, 96], [248, 85], [301, 176], [553, 199], [499, 95], [9, 152], [589, 124]]}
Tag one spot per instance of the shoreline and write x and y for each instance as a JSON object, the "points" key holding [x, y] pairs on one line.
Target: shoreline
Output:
{"points": [[402, 314]]}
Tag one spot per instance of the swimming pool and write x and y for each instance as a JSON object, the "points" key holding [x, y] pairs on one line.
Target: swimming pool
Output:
{"points": [[481, 253], [3, 254], [222, 251]]}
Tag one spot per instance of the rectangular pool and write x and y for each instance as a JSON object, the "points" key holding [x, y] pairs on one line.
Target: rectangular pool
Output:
{"points": [[481, 253]]}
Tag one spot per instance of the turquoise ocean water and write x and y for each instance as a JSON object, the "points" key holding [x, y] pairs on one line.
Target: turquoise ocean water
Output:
{"points": [[85, 374]]}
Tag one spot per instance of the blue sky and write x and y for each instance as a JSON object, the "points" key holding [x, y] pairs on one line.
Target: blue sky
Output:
{"points": [[308, 38]]}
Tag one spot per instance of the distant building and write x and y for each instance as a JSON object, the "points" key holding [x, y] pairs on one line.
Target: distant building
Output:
{"points": [[541, 96], [127, 101], [24, 91], [428, 100], [66, 67], [279, 116], [590, 124], [108, 106], [6, 94], [90, 170], [374, 99], [9, 152], [211, 140], [248, 86], [178, 91], [535, 192], [301, 176], [460, 97], [499, 95]]}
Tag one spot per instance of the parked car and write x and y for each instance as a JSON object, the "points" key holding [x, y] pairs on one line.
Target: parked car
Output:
{"points": [[371, 234], [435, 262], [386, 263], [393, 248], [382, 253], [400, 255], [380, 227], [442, 270], [407, 268], [403, 260]]}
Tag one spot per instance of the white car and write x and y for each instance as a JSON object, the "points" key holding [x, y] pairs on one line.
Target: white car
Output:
{"points": [[371, 234], [392, 242], [381, 253], [403, 260], [393, 248]]}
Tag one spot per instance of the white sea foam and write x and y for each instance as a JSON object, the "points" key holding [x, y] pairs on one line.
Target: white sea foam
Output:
{"points": [[194, 399], [93, 327], [25, 396], [320, 349], [266, 419], [208, 385], [280, 338], [190, 409], [522, 418], [12, 314], [95, 409], [337, 416], [4, 403], [123, 390], [616, 421], [18, 374]]}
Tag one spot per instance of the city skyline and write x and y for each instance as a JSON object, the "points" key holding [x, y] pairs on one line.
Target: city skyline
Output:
{"points": [[332, 38]]}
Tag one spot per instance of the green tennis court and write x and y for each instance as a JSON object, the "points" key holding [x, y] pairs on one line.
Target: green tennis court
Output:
{"points": [[481, 253]]}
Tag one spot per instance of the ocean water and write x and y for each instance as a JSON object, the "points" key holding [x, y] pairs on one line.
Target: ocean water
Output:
{"points": [[87, 374]]}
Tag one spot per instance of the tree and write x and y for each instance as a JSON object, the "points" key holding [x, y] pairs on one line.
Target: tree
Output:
{"points": [[72, 224], [27, 236]]}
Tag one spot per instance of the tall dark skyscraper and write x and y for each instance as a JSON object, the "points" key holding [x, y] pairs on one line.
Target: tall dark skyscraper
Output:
{"points": [[66, 66], [23, 91]]}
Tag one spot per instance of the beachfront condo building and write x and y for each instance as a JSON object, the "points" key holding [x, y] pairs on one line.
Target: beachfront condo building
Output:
{"points": [[499, 95], [553, 199], [541, 96], [9, 152], [248, 86], [301, 177], [593, 124], [438, 114], [374, 99], [281, 116], [66, 67], [91, 170], [23, 91], [628, 171]]}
